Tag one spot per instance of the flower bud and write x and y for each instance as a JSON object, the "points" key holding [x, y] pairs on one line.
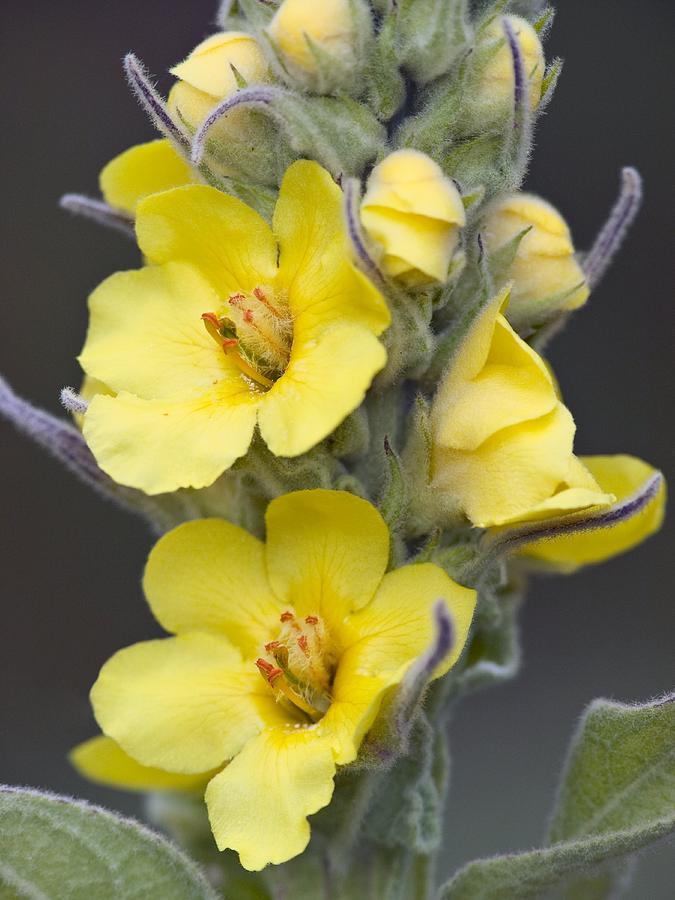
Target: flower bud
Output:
{"points": [[494, 87], [318, 42], [415, 213], [208, 76], [546, 276]]}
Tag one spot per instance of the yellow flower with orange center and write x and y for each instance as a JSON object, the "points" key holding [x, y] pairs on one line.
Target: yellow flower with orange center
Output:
{"points": [[232, 325], [314, 613]]}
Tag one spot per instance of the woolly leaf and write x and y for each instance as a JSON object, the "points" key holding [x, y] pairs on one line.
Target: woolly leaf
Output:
{"points": [[617, 796], [53, 846]]}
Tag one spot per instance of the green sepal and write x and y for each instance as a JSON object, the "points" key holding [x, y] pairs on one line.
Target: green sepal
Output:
{"points": [[341, 134], [52, 846], [385, 91], [257, 15], [549, 83], [395, 496], [409, 340], [430, 35], [352, 436], [543, 24], [617, 796], [466, 301], [417, 459]]}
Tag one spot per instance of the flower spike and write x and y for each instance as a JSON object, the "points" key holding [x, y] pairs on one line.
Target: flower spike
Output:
{"points": [[616, 227], [99, 212], [150, 100], [253, 95]]}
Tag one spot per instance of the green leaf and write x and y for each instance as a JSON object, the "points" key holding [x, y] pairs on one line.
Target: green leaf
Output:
{"points": [[617, 796], [53, 847]]}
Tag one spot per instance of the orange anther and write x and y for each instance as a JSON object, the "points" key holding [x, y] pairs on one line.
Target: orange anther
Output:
{"points": [[267, 670], [287, 616], [272, 645], [248, 315], [212, 318], [230, 342], [302, 644], [312, 620]]}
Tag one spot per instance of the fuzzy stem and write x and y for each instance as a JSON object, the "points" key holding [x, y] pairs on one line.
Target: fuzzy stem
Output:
{"points": [[616, 227], [352, 197], [155, 107], [508, 540], [66, 444], [247, 96], [99, 212]]}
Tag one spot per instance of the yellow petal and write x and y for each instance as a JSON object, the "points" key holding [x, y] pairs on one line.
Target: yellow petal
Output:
{"points": [[385, 638], [210, 575], [326, 552], [183, 704], [544, 266], [330, 25], [162, 445], [411, 241], [146, 335], [327, 378], [512, 386], [227, 241], [622, 476], [314, 264], [89, 388], [209, 67], [258, 805], [398, 624], [513, 471], [141, 171], [411, 182], [100, 759]]}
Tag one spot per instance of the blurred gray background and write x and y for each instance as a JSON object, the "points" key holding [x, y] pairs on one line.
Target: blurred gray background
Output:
{"points": [[71, 564]]}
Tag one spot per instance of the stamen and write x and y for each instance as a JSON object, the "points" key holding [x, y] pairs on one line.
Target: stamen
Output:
{"points": [[247, 369], [312, 620], [303, 645], [212, 324], [269, 672], [286, 616]]}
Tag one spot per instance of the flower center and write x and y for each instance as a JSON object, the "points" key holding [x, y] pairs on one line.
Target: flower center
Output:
{"points": [[256, 334], [298, 666]]}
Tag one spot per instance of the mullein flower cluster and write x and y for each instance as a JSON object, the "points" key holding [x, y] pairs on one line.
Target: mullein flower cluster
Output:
{"points": [[331, 361]]}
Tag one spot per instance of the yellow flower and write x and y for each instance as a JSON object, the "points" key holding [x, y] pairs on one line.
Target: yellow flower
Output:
{"points": [[546, 276], [622, 476], [230, 326], [299, 26], [143, 170], [502, 439], [207, 76], [283, 654], [493, 91], [415, 213]]}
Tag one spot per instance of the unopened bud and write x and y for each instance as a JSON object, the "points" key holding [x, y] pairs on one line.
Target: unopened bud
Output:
{"points": [[545, 274], [212, 72], [414, 212], [320, 42], [493, 91]]}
